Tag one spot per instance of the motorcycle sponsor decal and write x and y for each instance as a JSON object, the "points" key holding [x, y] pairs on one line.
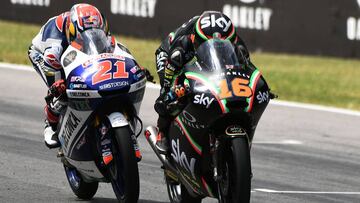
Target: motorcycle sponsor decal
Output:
{"points": [[106, 150], [77, 79], [137, 8], [190, 120], [103, 74], [239, 88], [43, 3], [71, 124], [135, 69], [203, 100], [215, 91], [184, 131], [69, 58], [81, 142], [140, 75], [182, 159], [246, 17], [113, 85], [78, 129], [79, 94], [77, 86], [189, 117], [263, 97], [235, 130], [253, 82], [87, 63], [212, 21], [230, 72]]}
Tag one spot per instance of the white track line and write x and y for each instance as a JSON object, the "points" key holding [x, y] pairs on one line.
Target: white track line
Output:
{"points": [[17, 67], [276, 102], [316, 107], [305, 192], [281, 142]]}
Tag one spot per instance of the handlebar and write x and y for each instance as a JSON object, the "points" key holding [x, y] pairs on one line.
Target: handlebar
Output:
{"points": [[148, 76]]}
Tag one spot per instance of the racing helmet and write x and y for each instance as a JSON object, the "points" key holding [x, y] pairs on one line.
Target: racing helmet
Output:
{"points": [[83, 17], [213, 24]]}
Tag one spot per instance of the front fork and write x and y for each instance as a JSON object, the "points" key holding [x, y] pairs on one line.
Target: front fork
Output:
{"points": [[114, 120], [218, 146], [104, 143], [216, 150]]}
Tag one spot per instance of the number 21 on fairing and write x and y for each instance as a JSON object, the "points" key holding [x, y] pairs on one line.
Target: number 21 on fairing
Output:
{"points": [[239, 88], [104, 74]]}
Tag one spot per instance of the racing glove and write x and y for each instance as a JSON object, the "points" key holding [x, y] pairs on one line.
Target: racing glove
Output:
{"points": [[58, 88], [162, 106], [242, 54]]}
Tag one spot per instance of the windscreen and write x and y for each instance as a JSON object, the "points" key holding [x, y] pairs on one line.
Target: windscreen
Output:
{"points": [[215, 54], [93, 42]]}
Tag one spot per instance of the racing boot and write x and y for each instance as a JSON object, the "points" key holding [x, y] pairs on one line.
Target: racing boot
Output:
{"points": [[52, 111], [161, 143], [50, 136]]}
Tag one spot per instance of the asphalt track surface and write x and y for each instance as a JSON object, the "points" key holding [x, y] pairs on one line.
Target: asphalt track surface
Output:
{"points": [[298, 155]]}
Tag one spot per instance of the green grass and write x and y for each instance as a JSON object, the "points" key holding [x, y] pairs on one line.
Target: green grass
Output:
{"points": [[318, 80]]}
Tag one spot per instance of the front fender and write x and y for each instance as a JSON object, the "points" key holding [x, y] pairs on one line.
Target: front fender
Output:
{"points": [[117, 119]]}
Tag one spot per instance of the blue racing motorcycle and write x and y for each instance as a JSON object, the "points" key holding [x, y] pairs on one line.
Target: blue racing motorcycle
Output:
{"points": [[105, 88]]}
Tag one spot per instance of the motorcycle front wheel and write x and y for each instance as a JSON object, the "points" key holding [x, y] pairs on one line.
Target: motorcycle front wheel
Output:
{"points": [[178, 193], [235, 185], [123, 170]]}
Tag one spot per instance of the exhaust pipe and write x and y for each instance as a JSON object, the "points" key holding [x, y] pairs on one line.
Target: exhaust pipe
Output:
{"points": [[150, 135]]}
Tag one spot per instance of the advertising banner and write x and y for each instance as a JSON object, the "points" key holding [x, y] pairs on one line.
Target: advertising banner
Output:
{"points": [[321, 27]]}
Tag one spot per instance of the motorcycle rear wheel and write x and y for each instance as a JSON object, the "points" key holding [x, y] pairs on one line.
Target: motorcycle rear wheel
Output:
{"points": [[178, 193], [123, 170], [81, 189], [235, 186]]}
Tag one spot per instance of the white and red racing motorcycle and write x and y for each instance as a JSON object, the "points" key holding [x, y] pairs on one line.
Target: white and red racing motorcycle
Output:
{"points": [[105, 87]]}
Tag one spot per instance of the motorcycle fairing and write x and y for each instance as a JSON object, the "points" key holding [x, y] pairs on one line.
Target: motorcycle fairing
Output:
{"points": [[192, 129], [190, 132], [72, 131], [90, 76], [87, 168]]}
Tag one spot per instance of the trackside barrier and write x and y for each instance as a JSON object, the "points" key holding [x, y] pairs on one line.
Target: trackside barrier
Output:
{"points": [[321, 27]]}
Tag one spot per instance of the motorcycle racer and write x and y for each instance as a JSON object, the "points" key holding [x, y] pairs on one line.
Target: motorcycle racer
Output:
{"points": [[46, 50], [176, 50]]}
